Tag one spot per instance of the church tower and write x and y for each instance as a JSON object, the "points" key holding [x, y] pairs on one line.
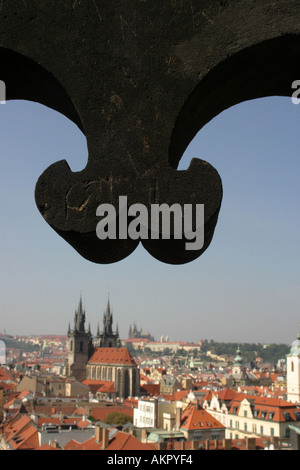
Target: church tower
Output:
{"points": [[80, 346], [237, 368], [293, 372], [108, 338]]}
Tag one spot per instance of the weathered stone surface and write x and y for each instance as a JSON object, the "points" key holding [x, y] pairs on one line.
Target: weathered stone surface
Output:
{"points": [[140, 78]]}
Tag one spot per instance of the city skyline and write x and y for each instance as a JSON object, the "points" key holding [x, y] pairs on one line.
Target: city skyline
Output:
{"points": [[244, 288]]}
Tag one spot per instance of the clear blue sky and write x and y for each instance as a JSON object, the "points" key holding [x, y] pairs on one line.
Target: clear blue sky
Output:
{"points": [[244, 288]]}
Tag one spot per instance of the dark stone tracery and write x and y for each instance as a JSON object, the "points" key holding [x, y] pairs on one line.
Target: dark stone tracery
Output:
{"points": [[140, 78]]}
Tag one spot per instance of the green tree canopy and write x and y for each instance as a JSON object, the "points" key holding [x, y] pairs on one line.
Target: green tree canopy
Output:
{"points": [[115, 417]]}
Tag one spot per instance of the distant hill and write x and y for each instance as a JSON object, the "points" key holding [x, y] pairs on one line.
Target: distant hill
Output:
{"points": [[269, 353], [12, 343]]}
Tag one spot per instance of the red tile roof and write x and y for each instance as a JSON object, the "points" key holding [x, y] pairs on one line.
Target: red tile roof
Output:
{"points": [[120, 441], [151, 389], [226, 395], [125, 441], [73, 445], [20, 433], [102, 386], [107, 387], [81, 411], [47, 447], [27, 439], [100, 414], [195, 418], [274, 409], [5, 376], [111, 356]]}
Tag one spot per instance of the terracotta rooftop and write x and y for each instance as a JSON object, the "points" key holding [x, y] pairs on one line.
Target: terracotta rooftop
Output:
{"points": [[101, 413], [195, 417], [111, 356]]}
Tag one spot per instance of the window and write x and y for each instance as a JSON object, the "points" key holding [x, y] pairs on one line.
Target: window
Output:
{"points": [[245, 427], [245, 413], [230, 423], [272, 432], [261, 430]]}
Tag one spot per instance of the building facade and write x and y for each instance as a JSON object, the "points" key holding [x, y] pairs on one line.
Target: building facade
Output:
{"points": [[247, 416], [103, 360], [155, 413], [115, 365]]}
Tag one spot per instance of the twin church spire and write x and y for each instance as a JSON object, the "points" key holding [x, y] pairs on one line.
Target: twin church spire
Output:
{"points": [[106, 338]]}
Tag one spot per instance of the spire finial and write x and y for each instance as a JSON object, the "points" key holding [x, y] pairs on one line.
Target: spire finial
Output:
{"points": [[80, 315]]}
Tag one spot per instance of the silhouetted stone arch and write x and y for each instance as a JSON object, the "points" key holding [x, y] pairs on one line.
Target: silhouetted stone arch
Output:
{"points": [[26, 79], [140, 79]]}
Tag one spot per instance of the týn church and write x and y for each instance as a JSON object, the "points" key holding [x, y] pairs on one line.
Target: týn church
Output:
{"points": [[102, 359]]}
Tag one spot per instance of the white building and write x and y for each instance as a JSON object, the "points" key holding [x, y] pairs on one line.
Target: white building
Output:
{"points": [[293, 372], [156, 413]]}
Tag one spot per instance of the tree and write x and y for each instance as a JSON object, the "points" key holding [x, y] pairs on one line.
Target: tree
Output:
{"points": [[115, 417]]}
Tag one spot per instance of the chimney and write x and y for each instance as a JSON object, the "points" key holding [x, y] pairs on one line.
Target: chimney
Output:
{"points": [[105, 439], [54, 445], [98, 433], [144, 435]]}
